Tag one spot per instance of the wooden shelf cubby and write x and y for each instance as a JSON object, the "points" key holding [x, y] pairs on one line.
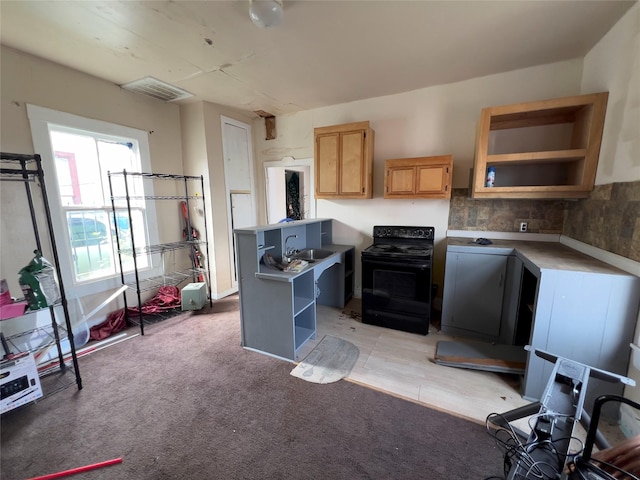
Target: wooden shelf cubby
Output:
{"points": [[543, 149]]}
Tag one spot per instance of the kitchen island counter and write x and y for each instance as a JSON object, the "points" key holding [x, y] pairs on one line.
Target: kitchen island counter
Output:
{"points": [[278, 308]]}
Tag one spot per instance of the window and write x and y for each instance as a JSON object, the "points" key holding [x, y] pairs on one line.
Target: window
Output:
{"points": [[77, 155]]}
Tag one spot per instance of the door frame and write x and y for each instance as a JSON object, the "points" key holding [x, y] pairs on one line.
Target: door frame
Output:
{"points": [[287, 162]]}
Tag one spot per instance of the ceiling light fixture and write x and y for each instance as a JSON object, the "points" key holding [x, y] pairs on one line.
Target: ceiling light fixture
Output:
{"points": [[265, 13]]}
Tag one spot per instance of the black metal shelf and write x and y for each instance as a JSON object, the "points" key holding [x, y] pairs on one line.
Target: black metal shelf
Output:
{"points": [[21, 342], [162, 247], [159, 176], [172, 279], [27, 168], [175, 277]]}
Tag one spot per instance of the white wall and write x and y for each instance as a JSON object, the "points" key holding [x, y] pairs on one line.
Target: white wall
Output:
{"points": [[613, 65], [430, 121], [202, 137], [28, 79]]}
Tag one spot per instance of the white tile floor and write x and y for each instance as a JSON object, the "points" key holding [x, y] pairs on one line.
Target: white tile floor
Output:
{"points": [[403, 364]]}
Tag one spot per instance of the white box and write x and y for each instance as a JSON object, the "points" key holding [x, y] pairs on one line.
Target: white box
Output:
{"points": [[19, 382], [194, 296]]}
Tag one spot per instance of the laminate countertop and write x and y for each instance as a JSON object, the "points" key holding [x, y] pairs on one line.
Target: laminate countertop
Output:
{"points": [[542, 255]]}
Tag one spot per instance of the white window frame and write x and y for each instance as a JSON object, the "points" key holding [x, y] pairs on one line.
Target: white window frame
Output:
{"points": [[40, 118]]}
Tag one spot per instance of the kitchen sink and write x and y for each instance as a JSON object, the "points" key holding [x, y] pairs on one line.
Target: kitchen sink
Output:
{"points": [[312, 254]]}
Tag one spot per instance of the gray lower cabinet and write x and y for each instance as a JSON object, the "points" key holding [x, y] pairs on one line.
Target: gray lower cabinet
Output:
{"points": [[584, 316], [544, 295], [473, 294], [278, 309]]}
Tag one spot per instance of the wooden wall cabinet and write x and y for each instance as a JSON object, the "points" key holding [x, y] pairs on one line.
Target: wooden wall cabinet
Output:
{"points": [[544, 149], [344, 161], [422, 177]]}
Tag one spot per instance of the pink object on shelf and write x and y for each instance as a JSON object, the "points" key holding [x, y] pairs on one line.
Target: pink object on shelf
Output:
{"points": [[5, 296], [11, 310]]}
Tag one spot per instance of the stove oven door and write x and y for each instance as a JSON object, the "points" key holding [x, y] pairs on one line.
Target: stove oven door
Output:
{"points": [[396, 293]]}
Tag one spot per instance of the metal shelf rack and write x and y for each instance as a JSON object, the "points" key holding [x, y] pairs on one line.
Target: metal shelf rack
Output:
{"points": [[175, 277], [64, 371]]}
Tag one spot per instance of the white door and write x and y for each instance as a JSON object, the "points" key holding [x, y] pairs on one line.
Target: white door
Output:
{"points": [[238, 174], [241, 216]]}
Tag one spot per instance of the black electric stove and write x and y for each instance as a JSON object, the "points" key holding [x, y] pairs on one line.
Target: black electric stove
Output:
{"points": [[396, 278]]}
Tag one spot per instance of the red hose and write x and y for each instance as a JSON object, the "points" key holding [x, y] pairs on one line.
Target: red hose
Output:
{"points": [[73, 471]]}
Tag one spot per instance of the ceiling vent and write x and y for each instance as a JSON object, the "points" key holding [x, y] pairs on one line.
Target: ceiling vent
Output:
{"points": [[155, 88]]}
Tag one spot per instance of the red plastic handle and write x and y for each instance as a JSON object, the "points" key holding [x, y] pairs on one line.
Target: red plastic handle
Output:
{"points": [[73, 471]]}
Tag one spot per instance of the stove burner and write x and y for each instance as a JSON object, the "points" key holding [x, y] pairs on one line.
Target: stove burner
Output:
{"points": [[400, 250], [385, 248]]}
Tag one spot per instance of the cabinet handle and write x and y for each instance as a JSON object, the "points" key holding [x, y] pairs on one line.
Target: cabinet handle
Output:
{"points": [[501, 278]]}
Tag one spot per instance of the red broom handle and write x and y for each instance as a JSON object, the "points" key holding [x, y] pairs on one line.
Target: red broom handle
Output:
{"points": [[73, 471]]}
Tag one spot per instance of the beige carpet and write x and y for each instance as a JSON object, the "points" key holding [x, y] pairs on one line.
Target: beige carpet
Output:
{"points": [[331, 360]]}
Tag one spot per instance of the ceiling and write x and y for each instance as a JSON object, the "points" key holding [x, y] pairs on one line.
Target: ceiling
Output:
{"points": [[323, 53]]}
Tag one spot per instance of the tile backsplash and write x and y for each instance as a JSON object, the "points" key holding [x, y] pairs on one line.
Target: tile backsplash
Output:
{"points": [[504, 215], [609, 219]]}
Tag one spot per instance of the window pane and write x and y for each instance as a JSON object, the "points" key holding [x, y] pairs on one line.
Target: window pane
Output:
{"points": [[91, 244], [116, 157], [124, 236], [83, 160], [77, 169]]}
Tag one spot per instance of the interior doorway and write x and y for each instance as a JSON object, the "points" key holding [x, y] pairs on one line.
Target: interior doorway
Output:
{"points": [[289, 189]]}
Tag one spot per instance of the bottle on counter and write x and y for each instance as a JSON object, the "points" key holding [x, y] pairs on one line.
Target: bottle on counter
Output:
{"points": [[491, 177]]}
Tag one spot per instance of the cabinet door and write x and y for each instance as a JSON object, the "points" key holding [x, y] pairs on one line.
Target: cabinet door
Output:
{"points": [[400, 180], [421, 177], [478, 283], [431, 179], [344, 160], [327, 157], [351, 163]]}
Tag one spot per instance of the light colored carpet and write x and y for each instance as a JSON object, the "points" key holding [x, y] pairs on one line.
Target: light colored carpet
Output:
{"points": [[331, 360]]}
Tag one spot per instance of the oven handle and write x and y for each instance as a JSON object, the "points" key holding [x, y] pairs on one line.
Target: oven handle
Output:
{"points": [[419, 266]]}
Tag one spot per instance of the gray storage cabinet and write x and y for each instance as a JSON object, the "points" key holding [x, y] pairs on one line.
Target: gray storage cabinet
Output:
{"points": [[584, 316], [278, 309], [473, 294], [546, 295]]}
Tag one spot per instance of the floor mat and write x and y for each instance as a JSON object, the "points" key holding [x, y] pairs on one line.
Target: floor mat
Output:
{"points": [[482, 356], [331, 360]]}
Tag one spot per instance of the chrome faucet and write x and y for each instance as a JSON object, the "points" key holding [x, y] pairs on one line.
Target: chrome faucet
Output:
{"points": [[289, 251]]}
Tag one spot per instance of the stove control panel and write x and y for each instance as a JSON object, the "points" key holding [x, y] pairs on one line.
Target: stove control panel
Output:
{"points": [[426, 233]]}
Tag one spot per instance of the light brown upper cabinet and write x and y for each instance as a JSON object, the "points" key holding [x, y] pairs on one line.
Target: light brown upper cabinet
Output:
{"points": [[344, 161], [545, 149], [422, 177]]}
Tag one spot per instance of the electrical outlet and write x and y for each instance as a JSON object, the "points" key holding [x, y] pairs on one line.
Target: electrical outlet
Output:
{"points": [[523, 226]]}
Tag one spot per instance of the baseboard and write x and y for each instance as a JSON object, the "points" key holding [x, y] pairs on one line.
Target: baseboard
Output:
{"points": [[226, 293], [629, 421]]}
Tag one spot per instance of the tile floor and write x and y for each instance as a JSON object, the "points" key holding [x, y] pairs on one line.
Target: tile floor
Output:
{"points": [[403, 364]]}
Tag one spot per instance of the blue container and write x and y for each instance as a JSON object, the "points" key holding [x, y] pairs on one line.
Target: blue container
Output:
{"points": [[491, 177]]}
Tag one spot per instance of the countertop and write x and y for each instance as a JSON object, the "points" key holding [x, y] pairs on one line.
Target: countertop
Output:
{"points": [[271, 273], [543, 255]]}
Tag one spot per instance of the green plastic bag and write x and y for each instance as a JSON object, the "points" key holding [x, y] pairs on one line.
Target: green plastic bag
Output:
{"points": [[39, 283]]}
